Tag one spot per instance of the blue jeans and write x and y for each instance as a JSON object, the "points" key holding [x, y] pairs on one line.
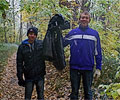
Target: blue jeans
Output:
{"points": [[29, 85], [75, 77]]}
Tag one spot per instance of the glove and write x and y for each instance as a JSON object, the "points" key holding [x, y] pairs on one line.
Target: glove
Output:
{"points": [[21, 83], [97, 74]]}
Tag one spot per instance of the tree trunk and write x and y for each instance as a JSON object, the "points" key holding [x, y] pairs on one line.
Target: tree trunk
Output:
{"points": [[21, 28], [13, 20], [6, 41]]}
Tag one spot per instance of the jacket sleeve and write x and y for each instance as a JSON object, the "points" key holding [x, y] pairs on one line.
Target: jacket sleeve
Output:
{"points": [[66, 40], [98, 54], [19, 60]]}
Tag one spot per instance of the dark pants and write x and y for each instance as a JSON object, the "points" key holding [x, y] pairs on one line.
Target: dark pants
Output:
{"points": [[75, 77], [29, 85]]}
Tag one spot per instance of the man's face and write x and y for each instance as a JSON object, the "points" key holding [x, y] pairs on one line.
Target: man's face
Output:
{"points": [[84, 20], [31, 37]]}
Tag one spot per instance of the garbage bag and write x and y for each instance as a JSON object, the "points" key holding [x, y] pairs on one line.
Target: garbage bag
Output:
{"points": [[53, 49]]}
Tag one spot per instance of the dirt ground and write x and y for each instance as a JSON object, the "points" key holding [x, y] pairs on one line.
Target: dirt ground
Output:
{"points": [[56, 87]]}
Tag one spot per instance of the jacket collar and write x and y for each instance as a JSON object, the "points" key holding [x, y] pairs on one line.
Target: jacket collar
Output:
{"points": [[26, 41], [83, 28]]}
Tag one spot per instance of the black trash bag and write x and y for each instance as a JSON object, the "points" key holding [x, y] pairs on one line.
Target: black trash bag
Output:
{"points": [[47, 47], [65, 26], [53, 42], [58, 51]]}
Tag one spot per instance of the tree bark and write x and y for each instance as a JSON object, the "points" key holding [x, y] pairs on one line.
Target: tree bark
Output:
{"points": [[6, 41], [13, 21], [21, 28]]}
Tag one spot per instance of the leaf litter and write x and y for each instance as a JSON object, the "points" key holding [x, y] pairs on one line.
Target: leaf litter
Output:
{"points": [[57, 84]]}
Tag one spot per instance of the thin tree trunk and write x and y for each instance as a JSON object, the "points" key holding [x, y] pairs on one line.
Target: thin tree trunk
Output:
{"points": [[6, 41], [21, 28], [13, 21]]}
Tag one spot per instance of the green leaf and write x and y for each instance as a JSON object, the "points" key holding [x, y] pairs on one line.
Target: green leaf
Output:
{"points": [[115, 95], [118, 91], [117, 74], [4, 5]]}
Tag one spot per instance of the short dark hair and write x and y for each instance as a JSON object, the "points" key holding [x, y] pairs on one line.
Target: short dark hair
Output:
{"points": [[86, 13]]}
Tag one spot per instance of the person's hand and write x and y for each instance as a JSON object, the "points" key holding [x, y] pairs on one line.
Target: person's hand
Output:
{"points": [[21, 83], [97, 74]]}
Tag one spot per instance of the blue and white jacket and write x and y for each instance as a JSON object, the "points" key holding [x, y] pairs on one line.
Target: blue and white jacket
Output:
{"points": [[84, 47]]}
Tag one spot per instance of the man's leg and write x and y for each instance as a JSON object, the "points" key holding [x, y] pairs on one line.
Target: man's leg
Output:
{"points": [[40, 89], [87, 83], [28, 89], [75, 83]]}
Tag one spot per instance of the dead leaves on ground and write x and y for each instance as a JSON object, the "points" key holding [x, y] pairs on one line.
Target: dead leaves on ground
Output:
{"points": [[57, 85]]}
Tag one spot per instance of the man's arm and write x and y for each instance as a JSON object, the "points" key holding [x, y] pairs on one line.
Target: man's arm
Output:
{"points": [[66, 40], [20, 67], [98, 56]]}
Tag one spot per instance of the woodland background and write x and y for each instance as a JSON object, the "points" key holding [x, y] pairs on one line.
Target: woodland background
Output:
{"points": [[16, 16]]}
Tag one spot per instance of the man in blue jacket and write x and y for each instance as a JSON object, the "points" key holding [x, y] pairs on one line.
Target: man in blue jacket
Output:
{"points": [[84, 48]]}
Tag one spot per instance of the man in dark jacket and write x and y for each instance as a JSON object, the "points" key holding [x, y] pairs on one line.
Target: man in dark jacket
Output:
{"points": [[31, 65], [84, 47]]}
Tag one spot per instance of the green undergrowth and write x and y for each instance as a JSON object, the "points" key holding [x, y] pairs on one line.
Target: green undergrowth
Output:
{"points": [[6, 50]]}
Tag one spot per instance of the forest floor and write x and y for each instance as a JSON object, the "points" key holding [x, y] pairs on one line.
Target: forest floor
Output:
{"points": [[57, 84]]}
